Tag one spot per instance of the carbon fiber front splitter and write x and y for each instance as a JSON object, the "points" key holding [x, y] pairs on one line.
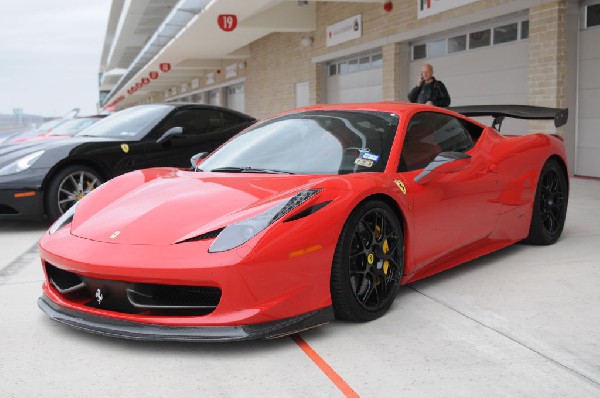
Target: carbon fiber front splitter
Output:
{"points": [[152, 332]]}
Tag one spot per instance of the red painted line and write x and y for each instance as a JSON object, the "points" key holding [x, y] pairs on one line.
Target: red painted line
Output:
{"points": [[324, 366]]}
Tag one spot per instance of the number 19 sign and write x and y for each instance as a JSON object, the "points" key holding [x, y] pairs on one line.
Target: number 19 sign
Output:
{"points": [[227, 22]]}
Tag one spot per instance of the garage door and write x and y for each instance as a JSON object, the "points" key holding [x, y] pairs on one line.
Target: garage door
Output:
{"points": [[357, 79], [486, 65], [588, 134], [235, 97]]}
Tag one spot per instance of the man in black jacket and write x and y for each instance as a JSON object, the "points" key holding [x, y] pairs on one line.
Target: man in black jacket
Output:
{"points": [[429, 90]]}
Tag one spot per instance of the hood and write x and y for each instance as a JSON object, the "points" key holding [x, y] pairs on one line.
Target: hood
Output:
{"points": [[165, 206], [11, 151]]}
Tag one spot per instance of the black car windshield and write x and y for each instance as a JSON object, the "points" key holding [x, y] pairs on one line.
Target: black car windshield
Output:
{"points": [[73, 126], [129, 124], [312, 142]]}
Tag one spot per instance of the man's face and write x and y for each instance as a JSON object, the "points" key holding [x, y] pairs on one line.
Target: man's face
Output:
{"points": [[427, 73]]}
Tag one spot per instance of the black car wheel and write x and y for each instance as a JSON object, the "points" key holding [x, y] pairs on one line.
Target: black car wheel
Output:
{"points": [[550, 206], [368, 263], [68, 187]]}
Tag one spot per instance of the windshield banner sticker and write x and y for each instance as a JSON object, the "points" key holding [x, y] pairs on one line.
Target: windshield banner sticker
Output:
{"points": [[369, 156]]}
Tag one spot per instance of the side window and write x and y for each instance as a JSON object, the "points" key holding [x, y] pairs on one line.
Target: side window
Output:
{"points": [[194, 121], [231, 120], [428, 134]]}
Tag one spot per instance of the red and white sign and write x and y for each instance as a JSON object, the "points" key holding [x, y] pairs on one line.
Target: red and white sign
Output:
{"points": [[165, 67], [145, 80], [227, 22], [153, 75], [340, 32]]}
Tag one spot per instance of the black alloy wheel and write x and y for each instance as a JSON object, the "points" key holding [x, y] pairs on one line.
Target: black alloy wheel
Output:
{"points": [[550, 206], [368, 263], [68, 187]]}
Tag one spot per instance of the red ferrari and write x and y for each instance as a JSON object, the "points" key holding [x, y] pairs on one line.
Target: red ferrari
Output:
{"points": [[316, 214]]}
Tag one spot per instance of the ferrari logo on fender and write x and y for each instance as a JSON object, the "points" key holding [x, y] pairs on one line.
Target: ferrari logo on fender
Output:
{"points": [[99, 296], [401, 186], [125, 148], [115, 234]]}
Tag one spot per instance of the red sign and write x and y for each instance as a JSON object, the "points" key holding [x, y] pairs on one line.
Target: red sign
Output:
{"points": [[165, 67], [153, 75], [145, 80], [227, 22]]}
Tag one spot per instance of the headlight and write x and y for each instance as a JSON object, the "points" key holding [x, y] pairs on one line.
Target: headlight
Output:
{"points": [[241, 232], [21, 164], [63, 220]]}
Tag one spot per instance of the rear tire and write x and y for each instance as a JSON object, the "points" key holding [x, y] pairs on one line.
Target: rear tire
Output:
{"points": [[69, 186], [550, 205], [368, 263]]}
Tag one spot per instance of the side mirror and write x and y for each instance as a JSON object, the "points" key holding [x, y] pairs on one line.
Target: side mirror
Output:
{"points": [[170, 133], [445, 162], [197, 159]]}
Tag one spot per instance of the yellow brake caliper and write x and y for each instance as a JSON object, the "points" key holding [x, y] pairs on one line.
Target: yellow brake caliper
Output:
{"points": [[386, 263], [81, 195], [386, 249]]}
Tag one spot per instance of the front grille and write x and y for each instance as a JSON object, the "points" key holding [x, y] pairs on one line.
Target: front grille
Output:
{"points": [[132, 297]]}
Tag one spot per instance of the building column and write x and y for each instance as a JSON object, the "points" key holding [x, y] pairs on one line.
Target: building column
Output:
{"points": [[553, 52], [395, 71], [547, 59]]}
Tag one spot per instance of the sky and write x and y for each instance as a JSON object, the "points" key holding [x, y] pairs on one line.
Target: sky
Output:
{"points": [[50, 54]]}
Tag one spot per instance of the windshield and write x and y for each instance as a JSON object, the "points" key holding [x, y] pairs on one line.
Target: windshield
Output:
{"points": [[313, 142], [131, 123], [73, 126]]}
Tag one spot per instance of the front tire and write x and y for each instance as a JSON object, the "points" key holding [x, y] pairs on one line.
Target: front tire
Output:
{"points": [[368, 263], [68, 187], [550, 206]]}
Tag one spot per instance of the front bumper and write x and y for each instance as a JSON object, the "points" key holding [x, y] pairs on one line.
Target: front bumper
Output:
{"points": [[139, 331], [28, 202], [264, 286]]}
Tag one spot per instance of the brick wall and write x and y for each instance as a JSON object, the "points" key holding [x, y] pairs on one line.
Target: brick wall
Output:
{"points": [[277, 62]]}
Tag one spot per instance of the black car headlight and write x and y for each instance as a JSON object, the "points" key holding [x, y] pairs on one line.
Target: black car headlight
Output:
{"points": [[241, 232], [63, 220], [21, 164]]}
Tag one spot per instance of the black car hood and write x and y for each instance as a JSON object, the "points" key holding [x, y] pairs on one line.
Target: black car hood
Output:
{"points": [[10, 152]]}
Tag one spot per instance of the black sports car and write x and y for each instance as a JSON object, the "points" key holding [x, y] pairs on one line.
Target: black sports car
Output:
{"points": [[47, 177]]}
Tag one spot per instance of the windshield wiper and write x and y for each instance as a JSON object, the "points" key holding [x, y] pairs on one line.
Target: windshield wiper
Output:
{"points": [[248, 170]]}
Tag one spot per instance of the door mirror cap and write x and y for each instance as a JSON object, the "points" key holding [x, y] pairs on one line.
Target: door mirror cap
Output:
{"points": [[197, 159], [444, 163], [170, 133]]}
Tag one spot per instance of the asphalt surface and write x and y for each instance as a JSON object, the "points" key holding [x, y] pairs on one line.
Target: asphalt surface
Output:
{"points": [[521, 322]]}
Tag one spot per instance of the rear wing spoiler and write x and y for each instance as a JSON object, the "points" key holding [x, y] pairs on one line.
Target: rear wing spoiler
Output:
{"points": [[499, 112]]}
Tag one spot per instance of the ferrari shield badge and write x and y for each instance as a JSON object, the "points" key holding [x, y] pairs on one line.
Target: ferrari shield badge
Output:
{"points": [[401, 186], [125, 148]]}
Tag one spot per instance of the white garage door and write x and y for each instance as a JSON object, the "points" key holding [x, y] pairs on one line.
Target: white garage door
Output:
{"points": [[358, 79], [494, 72], [588, 129], [235, 97], [214, 97]]}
